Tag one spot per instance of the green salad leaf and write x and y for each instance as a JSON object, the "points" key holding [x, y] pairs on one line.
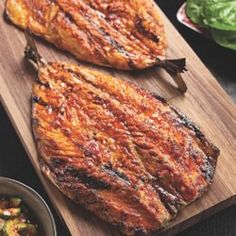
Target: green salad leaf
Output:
{"points": [[194, 10], [220, 14], [224, 38]]}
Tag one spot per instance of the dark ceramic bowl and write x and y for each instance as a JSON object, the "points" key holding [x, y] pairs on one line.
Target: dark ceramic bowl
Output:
{"points": [[33, 201]]}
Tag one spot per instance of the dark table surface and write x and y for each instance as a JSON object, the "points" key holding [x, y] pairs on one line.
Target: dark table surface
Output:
{"points": [[14, 162]]}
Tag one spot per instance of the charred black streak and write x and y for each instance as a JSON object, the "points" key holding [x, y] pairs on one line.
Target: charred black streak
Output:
{"points": [[113, 42], [88, 152], [88, 180], [170, 201], [56, 162], [98, 100], [158, 97], [145, 32], [184, 120], [208, 167], [106, 35], [69, 17], [212, 159], [46, 85], [36, 99], [108, 168], [131, 63], [117, 46], [73, 73], [208, 171]]}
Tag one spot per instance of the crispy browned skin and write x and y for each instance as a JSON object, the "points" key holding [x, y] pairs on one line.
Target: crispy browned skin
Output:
{"points": [[128, 157], [124, 34]]}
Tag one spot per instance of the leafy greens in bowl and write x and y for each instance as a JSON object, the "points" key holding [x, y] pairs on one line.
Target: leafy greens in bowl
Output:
{"points": [[219, 16]]}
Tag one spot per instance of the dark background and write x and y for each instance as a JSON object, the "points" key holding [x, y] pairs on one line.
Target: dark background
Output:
{"points": [[14, 162]]}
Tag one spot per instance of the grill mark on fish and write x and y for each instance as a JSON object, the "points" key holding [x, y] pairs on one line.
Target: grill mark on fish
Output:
{"points": [[94, 200], [111, 40], [83, 177], [89, 181], [114, 43], [64, 172], [108, 168], [160, 181], [123, 15], [104, 32], [142, 30], [92, 38], [57, 162], [49, 107], [170, 201]]}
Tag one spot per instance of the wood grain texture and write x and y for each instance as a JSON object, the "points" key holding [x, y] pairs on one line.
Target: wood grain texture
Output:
{"points": [[205, 102]]}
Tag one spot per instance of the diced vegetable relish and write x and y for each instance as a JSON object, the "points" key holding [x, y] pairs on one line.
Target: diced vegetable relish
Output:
{"points": [[15, 218]]}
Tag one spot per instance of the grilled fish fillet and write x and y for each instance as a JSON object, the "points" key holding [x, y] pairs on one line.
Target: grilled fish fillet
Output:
{"points": [[123, 34], [128, 157]]}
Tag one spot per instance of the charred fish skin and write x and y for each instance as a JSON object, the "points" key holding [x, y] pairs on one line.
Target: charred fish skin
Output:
{"points": [[125, 155]]}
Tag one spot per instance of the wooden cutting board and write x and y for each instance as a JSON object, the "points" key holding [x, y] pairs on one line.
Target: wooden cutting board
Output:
{"points": [[205, 102]]}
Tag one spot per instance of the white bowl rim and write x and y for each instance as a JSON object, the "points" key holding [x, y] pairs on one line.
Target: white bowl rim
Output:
{"points": [[37, 195]]}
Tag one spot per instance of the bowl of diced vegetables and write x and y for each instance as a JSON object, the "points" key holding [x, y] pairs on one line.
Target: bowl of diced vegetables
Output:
{"points": [[23, 212]]}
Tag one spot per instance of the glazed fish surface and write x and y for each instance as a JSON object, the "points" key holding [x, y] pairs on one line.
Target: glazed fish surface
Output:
{"points": [[123, 34], [128, 157]]}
